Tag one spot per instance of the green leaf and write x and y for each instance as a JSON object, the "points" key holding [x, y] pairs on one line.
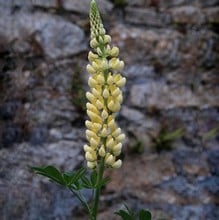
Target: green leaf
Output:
{"points": [[211, 134], [124, 214], [173, 135], [86, 182], [144, 215], [51, 172], [72, 177]]}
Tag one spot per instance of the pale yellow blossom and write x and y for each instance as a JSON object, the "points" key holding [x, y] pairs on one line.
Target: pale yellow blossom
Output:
{"points": [[104, 98]]}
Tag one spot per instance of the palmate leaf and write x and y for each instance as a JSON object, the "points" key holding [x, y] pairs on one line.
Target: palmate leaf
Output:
{"points": [[51, 172], [73, 177], [144, 215], [65, 179], [125, 215], [86, 183], [129, 215]]}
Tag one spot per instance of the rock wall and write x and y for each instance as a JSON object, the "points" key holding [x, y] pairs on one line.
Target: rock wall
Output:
{"points": [[170, 112]]}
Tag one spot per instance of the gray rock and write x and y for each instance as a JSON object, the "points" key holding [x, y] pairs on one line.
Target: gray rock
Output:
{"points": [[38, 3], [137, 2], [155, 45], [10, 135], [143, 16], [132, 115], [162, 96], [208, 3], [46, 110], [82, 6], [39, 135], [174, 3], [138, 71], [212, 15], [213, 159], [55, 36], [187, 15]]}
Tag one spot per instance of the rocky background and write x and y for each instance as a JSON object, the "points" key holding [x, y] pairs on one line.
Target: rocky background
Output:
{"points": [[170, 112]]}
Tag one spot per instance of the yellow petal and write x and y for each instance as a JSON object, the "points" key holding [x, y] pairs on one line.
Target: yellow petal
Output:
{"points": [[92, 82], [109, 159], [91, 165], [114, 52], [90, 97], [102, 151], [100, 79], [117, 164], [106, 93], [120, 138], [90, 69], [104, 114]]}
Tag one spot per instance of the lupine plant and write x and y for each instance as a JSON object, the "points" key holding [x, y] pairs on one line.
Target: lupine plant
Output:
{"points": [[103, 134]]}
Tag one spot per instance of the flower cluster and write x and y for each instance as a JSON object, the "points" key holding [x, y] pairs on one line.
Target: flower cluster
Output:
{"points": [[105, 97]]}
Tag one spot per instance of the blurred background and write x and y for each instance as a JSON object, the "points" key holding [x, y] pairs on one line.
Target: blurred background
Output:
{"points": [[170, 112]]}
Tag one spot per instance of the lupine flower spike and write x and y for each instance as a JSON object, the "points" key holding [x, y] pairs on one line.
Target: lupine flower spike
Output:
{"points": [[104, 98]]}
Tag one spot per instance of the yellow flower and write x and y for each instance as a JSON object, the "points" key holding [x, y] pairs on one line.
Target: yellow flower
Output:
{"points": [[104, 98]]}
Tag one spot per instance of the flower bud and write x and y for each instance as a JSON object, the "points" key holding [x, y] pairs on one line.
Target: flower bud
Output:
{"points": [[119, 98], [106, 93], [92, 56], [99, 51], [116, 64], [120, 138], [90, 134], [95, 92], [91, 165], [104, 114], [90, 69], [111, 124], [104, 64], [117, 164], [102, 151], [114, 52], [93, 143], [90, 156], [109, 142], [92, 82], [102, 31], [92, 108], [93, 43], [116, 92], [109, 159], [110, 80], [104, 132], [90, 97], [121, 82], [117, 132], [117, 147], [87, 148], [94, 117], [100, 79], [99, 104], [107, 39], [96, 126], [110, 104], [89, 124], [101, 39]]}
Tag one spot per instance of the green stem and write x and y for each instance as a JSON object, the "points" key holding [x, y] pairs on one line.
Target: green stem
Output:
{"points": [[82, 200], [98, 189]]}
